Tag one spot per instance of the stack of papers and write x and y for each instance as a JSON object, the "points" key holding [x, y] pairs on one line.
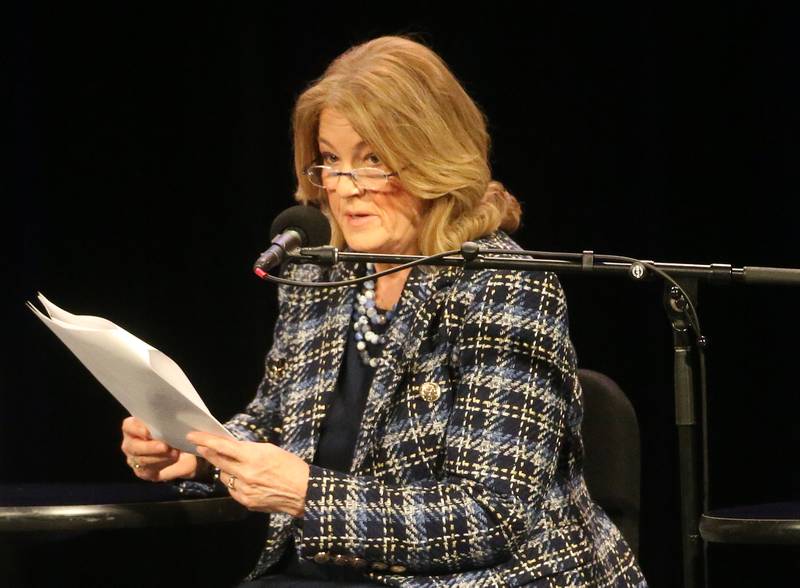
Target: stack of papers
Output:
{"points": [[147, 383]]}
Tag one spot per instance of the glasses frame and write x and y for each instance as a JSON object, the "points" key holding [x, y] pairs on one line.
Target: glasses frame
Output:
{"points": [[353, 173]]}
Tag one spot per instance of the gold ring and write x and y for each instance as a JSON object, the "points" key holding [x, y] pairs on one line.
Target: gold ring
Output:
{"points": [[231, 483], [135, 463]]}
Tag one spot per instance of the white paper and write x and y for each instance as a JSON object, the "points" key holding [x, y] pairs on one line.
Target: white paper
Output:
{"points": [[151, 386]]}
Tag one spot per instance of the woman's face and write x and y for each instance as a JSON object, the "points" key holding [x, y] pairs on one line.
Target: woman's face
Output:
{"points": [[385, 221]]}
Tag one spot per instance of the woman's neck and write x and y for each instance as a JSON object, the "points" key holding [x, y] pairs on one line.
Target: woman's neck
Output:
{"points": [[389, 288]]}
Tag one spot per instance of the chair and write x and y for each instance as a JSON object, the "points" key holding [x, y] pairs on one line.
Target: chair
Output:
{"points": [[613, 455], [772, 524]]}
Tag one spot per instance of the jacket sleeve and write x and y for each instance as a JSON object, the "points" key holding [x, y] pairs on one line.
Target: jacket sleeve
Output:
{"points": [[508, 421]]}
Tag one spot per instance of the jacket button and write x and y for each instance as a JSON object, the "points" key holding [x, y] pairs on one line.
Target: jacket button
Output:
{"points": [[397, 569], [340, 560], [358, 562], [430, 391], [322, 557], [379, 566]]}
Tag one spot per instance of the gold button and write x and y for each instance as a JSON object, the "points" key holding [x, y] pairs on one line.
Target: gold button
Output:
{"points": [[397, 569], [358, 562], [322, 557], [340, 560], [430, 391], [379, 566]]}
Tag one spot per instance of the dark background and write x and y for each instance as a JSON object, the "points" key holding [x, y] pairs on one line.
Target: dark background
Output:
{"points": [[151, 149]]}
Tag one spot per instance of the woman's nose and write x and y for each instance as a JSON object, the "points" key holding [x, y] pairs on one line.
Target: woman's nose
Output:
{"points": [[347, 186]]}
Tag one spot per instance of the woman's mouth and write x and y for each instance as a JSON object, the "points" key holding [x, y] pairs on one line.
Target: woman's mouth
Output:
{"points": [[358, 219]]}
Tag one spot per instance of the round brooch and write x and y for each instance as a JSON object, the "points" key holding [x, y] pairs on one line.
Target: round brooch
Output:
{"points": [[430, 391]]}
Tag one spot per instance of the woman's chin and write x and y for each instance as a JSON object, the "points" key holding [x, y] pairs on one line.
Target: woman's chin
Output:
{"points": [[361, 244]]}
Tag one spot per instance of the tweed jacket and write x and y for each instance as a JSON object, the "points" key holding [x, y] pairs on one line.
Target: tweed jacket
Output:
{"points": [[467, 467]]}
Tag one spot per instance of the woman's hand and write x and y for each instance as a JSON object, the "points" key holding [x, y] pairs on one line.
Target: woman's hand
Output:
{"points": [[154, 460], [260, 476]]}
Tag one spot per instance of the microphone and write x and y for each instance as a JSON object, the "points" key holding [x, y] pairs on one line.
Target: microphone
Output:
{"points": [[298, 226]]}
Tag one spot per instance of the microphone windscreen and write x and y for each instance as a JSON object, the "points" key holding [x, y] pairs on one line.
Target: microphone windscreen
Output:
{"points": [[306, 220]]}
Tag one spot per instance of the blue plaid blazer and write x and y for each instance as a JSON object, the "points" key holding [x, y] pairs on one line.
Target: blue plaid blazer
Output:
{"points": [[476, 484]]}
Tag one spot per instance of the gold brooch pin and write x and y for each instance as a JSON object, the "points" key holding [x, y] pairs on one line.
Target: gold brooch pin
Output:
{"points": [[430, 391]]}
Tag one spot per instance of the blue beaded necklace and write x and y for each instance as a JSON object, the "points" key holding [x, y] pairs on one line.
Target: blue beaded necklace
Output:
{"points": [[366, 314]]}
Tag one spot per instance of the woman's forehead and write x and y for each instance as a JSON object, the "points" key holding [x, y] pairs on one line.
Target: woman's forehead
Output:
{"points": [[337, 132]]}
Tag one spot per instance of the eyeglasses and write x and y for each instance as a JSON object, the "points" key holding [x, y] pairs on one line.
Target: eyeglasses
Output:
{"points": [[368, 178]]}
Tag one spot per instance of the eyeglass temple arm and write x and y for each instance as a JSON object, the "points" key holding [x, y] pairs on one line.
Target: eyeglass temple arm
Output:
{"points": [[350, 173]]}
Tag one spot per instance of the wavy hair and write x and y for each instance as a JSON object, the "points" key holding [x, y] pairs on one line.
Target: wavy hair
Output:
{"points": [[404, 101]]}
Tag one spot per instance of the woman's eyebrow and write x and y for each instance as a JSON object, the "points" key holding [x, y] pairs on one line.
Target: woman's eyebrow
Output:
{"points": [[359, 146]]}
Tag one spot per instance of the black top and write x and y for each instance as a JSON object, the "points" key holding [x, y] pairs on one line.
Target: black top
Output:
{"points": [[339, 431], [337, 443]]}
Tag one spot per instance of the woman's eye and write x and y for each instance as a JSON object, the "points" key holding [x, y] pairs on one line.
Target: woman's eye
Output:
{"points": [[373, 159], [328, 157]]}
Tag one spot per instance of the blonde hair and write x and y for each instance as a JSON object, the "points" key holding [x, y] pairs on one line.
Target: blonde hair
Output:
{"points": [[404, 101]]}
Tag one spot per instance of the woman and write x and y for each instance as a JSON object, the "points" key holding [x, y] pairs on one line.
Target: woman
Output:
{"points": [[424, 429]]}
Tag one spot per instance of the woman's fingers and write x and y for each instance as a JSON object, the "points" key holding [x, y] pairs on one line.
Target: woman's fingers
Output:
{"points": [[150, 468], [236, 487], [136, 440], [146, 461], [226, 454], [133, 446], [227, 479], [150, 474], [151, 459], [219, 460], [147, 457], [135, 428], [221, 445], [184, 467]]}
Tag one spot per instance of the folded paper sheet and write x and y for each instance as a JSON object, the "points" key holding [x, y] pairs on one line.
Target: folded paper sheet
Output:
{"points": [[147, 383]]}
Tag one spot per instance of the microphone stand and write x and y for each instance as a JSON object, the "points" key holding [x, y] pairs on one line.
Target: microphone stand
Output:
{"points": [[680, 299]]}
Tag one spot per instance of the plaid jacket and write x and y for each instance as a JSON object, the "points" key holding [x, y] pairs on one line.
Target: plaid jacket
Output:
{"points": [[467, 468]]}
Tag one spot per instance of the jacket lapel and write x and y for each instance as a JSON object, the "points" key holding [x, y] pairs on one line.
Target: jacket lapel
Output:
{"points": [[416, 309], [305, 408]]}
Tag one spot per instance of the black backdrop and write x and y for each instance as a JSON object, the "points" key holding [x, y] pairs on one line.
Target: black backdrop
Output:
{"points": [[151, 150]]}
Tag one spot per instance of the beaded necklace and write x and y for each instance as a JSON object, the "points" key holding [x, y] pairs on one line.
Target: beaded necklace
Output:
{"points": [[366, 314]]}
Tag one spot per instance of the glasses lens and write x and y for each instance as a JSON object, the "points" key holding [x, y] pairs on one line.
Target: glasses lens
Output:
{"points": [[370, 178], [317, 174]]}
